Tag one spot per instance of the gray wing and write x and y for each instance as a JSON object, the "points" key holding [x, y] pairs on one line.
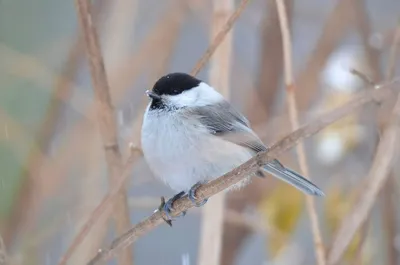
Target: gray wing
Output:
{"points": [[222, 120]]}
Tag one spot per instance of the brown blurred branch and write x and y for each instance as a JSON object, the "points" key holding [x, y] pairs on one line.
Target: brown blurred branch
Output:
{"points": [[294, 121], [106, 119], [389, 220], [363, 241], [205, 191], [90, 194], [362, 23], [121, 77], [28, 202], [3, 253], [118, 32], [389, 209], [163, 59], [212, 224], [271, 65], [219, 37], [332, 33], [394, 54], [378, 175], [126, 72], [258, 109]]}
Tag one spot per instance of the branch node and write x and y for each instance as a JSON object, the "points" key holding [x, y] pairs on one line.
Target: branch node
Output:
{"points": [[365, 78], [111, 146]]}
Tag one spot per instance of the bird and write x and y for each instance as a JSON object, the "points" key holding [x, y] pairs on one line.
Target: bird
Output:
{"points": [[191, 135]]}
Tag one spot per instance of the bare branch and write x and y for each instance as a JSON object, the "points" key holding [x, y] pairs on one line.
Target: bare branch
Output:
{"points": [[270, 70], [363, 77], [394, 52], [389, 223], [258, 108], [379, 173], [212, 225], [363, 24], [250, 167], [294, 121], [219, 37], [3, 253], [333, 32], [107, 124]]}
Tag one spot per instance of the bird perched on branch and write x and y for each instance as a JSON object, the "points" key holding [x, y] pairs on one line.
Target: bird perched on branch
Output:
{"points": [[191, 135]]}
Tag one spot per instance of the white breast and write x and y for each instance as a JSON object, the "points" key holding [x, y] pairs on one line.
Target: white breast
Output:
{"points": [[181, 152]]}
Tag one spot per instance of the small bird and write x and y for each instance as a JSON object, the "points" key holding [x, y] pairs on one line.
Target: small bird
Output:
{"points": [[191, 134]]}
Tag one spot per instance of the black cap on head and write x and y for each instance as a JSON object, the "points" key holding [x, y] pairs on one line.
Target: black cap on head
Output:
{"points": [[175, 83]]}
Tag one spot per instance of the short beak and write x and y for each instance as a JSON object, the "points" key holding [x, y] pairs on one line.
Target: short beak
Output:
{"points": [[152, 95]]}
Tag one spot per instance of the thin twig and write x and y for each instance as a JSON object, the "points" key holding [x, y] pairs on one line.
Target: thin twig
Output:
{"points": [[30, 197], [379, 173], [363, 24], [393, 55], [389, 209], [270, 70], [106, 120], [219, 37], [120, 29], [239, 173], [3, 253], [294, 120], [259, 105], [377, 177], [90, 194], [212, 225], [163, 57], [118, 32], [333, 32], [363, 241], [363, 77], [389, 216], [120, 78], [238, 219]]}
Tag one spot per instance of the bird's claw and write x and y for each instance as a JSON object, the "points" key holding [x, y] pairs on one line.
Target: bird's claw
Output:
{"points": [[192, 195], [167, 207], [160, 209]]}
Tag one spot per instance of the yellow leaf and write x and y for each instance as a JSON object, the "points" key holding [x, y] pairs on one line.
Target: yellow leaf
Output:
{"points": [[281, 210]]}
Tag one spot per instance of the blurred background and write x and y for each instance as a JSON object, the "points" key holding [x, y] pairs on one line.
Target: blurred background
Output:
{"points": [[52, 166]]}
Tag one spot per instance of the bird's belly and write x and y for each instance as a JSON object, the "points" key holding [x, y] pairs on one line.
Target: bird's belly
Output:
{"points": [[182, 161]]}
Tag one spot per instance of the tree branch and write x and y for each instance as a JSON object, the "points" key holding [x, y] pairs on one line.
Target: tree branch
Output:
{"points": [[212, 225], [378, 175], [107, 123], [219, 37], [381, 93], [334, 30], [3, 253], [294, 121]]}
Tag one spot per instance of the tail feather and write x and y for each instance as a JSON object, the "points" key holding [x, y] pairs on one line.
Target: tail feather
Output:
{"points": [[279, 171]]}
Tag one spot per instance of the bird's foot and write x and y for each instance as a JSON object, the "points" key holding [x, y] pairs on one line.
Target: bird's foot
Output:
{"points": [[167, 207], [192, 195]]}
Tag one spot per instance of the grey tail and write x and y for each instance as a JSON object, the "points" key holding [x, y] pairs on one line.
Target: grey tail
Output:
{"points": [[279, 171]]}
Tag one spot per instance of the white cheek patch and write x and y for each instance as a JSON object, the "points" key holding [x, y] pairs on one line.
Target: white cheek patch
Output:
{"points": [[199, 96]]}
